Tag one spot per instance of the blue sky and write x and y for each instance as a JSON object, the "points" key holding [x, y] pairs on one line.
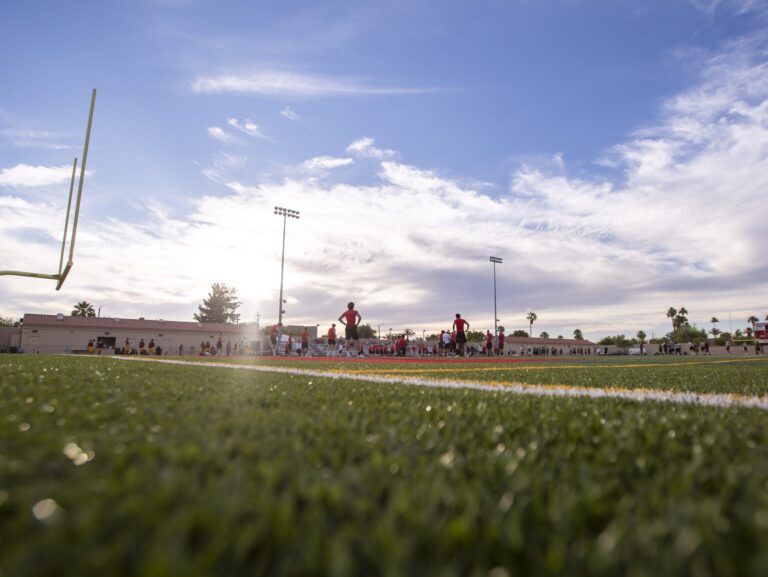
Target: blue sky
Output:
{"points": [[613, 153]]}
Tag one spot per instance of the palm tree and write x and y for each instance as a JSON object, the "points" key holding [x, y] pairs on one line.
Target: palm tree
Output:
{"points": [[577, 335], [641, 336], [714, 321], [531, 316], [83, 309], [409, 332], [672, 315], [753, 319]]}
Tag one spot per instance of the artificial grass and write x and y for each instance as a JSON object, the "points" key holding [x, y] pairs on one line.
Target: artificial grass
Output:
{"points": [[740, 375], [198, 471]]}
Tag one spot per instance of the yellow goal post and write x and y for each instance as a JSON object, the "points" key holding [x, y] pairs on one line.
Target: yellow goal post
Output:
{"points": [[64, 269]]}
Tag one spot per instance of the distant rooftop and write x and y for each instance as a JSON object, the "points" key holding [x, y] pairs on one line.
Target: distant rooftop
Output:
{"points": [[62, 320]]}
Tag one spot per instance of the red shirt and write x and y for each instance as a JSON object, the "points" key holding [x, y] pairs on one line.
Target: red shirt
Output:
{"points": [[501, 338], [273, 331], [460, 324], [305, 337], [350, 316], [331, 334]]}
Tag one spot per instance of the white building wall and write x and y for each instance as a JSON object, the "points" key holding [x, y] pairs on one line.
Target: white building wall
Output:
{"points": [[67, 340]]}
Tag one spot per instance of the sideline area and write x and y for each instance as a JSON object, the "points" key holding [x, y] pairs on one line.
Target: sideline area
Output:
{"points": [[722, 400]]}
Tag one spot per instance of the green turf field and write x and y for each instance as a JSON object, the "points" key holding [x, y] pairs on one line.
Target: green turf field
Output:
{"points": [[112, 467]]}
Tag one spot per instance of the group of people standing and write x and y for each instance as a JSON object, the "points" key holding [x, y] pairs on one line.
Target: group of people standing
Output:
{"points": [[451, 342]]}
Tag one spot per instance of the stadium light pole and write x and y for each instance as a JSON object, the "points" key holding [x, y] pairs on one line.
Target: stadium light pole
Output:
{"points": [[285, 213], [495, 260]]}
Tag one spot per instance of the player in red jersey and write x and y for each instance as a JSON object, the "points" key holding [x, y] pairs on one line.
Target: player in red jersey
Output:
{"points": [[488, 343], [350, 318], [332, 341], [500, 340], [460, 326]]}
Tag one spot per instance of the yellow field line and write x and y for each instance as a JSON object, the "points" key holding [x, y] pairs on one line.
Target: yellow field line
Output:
{"points": [[640, 394], [479, 368]]}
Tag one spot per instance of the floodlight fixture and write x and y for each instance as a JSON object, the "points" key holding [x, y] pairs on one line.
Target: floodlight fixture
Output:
{"points": [[495, 260], [61, 275], [286, 213]]}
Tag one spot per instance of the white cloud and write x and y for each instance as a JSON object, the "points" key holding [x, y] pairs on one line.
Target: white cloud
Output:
{"points": [[291, 115], [737, 6], [222, 135], [278, 83], [26, 176], [683, 226], [247, 127], [326, 162], [26, 138], [364, 148]]}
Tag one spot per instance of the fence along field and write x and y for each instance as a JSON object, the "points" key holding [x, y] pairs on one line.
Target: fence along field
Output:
{"points": [[148, 468]]}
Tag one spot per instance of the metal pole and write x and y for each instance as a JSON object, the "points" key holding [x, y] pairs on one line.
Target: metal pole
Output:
{"points": [[494, 260], [82, 177], [285, 213], [66, 221], [282, 268], [495, 314]]}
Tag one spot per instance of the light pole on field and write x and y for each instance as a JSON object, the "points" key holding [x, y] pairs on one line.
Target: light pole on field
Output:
{"points": [[495, 260], [285, 213]]}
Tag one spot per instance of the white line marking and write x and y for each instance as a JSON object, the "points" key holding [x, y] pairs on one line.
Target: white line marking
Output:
{"points": [[639, 395]]}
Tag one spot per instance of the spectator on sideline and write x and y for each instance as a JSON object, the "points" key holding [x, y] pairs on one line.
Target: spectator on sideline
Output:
{"points": [[274, 334], [304, 342], [446, 343], [332, 341]]}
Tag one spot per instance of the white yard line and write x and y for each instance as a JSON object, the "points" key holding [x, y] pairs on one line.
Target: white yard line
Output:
{"points": [[639, 395]]}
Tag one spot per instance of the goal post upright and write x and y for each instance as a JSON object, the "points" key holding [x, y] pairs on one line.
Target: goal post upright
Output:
{"points": [[62, 273], [80, 187], [66, 220]]}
